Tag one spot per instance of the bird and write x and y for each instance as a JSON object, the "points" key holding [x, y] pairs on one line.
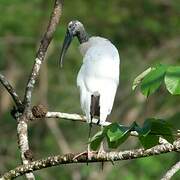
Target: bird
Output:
{"points": [[98, 77]]}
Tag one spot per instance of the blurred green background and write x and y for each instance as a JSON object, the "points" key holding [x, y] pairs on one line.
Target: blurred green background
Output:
{"points": [[145, 33]]}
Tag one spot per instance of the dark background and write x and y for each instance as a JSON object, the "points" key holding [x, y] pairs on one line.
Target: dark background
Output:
{"points": [[145, 33]]}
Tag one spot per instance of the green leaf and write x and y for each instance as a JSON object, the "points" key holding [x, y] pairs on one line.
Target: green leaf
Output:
{"points": [[149, 141], [157, 127], [96, 140], [134, 127], [162, 128], [139, 78], [153, 80], [116, 131], [115, 144], [172, 79], [116, 134], [146, 129]]}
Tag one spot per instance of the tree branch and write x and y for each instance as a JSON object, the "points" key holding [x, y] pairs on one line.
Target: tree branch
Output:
{"points": [[82, 158], [22, 135], [171, 171], [40, 111], [11, 91], [22, 119], [40, 56], [80, 118], [73, 117]]}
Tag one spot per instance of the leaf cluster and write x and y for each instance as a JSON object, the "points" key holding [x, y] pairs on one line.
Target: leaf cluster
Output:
{"points": [[149, 81], [148, 134], [152, 78]]}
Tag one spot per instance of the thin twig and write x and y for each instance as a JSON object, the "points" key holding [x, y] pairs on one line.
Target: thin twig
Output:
{"points": [[109, 156], [11, 90], [73, 117], [80, 118], [40, 56], [171, 171]]}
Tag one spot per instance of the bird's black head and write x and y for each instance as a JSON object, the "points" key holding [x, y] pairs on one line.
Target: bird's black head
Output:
{"points": [[75, 28]]}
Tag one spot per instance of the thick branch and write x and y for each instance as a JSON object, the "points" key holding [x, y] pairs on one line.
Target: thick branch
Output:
{"points": [[22, 135], [172, 171], [82, 158], [22, 127], [11, 90], [40, 56]]}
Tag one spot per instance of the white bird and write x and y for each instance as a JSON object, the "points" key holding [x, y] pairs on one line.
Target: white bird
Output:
{"points": [[98, 77]]}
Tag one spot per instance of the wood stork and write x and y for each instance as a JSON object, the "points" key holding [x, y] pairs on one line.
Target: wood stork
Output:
{"points": [[98, 77]]}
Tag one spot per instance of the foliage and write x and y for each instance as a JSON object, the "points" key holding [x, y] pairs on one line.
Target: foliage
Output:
{"points": [[148, 134], [151, 79], [144, 32], [172, 79]]}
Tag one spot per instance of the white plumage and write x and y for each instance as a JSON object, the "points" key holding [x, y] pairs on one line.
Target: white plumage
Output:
{"points": [[98, 77], [99, 74]]}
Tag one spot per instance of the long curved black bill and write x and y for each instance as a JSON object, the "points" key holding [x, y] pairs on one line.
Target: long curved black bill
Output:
{"points": [[67, 41]]}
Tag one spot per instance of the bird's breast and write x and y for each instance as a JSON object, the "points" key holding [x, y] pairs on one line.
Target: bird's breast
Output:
{"points": [[100, 67], [101, 63]]}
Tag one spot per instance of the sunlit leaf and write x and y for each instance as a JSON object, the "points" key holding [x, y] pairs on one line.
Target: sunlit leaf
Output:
{"points": [[153, 80], [139, 78], [117, 134], [115, 144], [172, 79]]}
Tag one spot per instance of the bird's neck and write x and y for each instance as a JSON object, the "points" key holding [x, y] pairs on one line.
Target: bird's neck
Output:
{"points": [[83, 36]]}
